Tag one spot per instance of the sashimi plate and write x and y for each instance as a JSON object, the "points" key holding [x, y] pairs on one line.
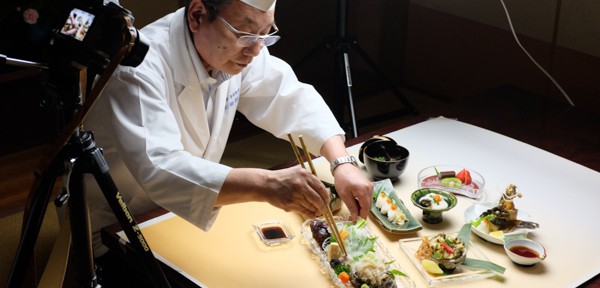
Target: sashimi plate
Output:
{"points": [[380, 250]]}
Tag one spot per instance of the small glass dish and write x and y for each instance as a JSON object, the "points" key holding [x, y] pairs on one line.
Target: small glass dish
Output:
{"points": [[462, 273], [273, 232], [428, 178]]}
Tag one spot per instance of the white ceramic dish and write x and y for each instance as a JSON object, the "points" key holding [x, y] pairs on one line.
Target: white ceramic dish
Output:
{"points": [[531, 246], [474, 211]]}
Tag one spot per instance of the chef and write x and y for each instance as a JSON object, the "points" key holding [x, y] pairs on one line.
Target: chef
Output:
{"points": [[164, 124]]}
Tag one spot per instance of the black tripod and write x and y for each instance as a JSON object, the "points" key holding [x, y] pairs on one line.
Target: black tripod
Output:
{"points": [[75, 153], [342, 43]]}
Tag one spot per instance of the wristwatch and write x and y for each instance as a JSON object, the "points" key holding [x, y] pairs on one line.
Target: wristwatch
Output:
{"points": [[343, 160]]}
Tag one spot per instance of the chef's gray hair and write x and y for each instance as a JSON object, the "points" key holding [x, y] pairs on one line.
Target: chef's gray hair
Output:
{"points": [[212, 7]]}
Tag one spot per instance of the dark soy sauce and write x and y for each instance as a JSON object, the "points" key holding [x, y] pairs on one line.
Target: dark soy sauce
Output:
{"points": [[273, 232], [524, 251]]}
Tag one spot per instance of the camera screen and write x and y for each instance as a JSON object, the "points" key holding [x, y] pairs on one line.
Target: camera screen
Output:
{"points": [[78, 24]]}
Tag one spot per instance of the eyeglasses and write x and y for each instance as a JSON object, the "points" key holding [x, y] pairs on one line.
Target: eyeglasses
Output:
{"points": [[249, 39]]}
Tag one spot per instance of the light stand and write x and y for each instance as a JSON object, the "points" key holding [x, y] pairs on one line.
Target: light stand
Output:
{"points": [[342, 43]]}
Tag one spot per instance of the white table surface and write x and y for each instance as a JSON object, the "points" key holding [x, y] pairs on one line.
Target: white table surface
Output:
{"points": [[562, 196]]}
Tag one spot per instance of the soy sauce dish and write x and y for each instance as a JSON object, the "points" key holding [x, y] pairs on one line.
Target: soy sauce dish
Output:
{"points": [[273, 232], [525, 252]]}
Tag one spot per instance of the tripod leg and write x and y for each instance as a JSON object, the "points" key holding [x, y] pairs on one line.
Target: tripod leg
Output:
{"points": [[142, 250], [35, 210], [85, 274]]}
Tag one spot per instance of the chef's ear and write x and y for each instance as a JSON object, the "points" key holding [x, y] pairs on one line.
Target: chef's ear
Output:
{"points": [[195, 14]]}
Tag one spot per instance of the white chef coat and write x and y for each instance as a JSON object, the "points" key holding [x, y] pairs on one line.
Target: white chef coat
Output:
{"points": [[164, 124]]}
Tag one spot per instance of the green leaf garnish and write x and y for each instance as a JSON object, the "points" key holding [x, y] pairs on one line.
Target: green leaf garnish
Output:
{"points": [[464, 235], [478, 221], [482, 264], [360, 223], [395, 272]]}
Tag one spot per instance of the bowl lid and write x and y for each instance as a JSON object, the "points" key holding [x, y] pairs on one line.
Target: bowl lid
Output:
{"points": [[375, 139]]}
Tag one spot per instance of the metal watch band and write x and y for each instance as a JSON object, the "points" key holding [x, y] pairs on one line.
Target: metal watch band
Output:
{"points": [[343, 160]]}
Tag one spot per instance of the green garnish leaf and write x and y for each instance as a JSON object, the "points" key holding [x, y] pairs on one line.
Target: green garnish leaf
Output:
{"points": [[376, 193], [396, 272], [360, 223], [478, 221], [437, 173], [464, 235], [482, 264]]}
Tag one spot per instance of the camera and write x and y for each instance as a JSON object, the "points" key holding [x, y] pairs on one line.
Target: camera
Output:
{"points": [[88, 35], [92, 33]]}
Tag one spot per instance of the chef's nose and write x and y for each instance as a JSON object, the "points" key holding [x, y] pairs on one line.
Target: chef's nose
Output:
{"points": [[254, 49]]}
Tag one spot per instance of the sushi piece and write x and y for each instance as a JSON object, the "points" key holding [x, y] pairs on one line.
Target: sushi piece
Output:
{"points": [[396, 215], [386, 206], [380, 200]]}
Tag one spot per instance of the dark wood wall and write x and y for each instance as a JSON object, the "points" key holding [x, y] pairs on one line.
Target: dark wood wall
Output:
{"points": [[439, 54]]}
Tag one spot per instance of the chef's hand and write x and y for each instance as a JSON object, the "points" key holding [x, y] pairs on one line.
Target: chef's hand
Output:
{"points": [[354, 189], [296, 189], [291, 189]]}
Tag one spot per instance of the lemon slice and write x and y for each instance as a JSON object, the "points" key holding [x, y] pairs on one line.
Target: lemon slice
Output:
{"points": [[497, 234], [432, 267]]}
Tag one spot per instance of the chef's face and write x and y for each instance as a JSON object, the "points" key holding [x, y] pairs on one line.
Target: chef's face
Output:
{"points": [[217, 44]]}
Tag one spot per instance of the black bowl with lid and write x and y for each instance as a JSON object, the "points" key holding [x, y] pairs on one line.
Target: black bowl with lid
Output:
{"points": [[374, 139], [385, 159]]}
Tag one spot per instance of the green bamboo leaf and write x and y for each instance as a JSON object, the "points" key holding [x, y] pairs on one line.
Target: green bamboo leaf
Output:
{"points": [[464, 235], [482, 264]]}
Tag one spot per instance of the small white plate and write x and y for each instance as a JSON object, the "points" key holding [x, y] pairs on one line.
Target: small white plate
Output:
{"points": [[474, 211]]}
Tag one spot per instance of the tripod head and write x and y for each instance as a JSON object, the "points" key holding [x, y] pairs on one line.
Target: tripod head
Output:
{"points": [[88, 37]]}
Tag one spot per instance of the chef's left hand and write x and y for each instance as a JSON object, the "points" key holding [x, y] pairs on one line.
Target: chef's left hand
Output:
{"points": [[354, 189]]}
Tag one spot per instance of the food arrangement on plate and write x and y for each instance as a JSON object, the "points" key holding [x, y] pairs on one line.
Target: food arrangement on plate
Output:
{"points": [[447, 258], [433, 202], [455, 179], [390, 211], [494, 222], [367, 265]]}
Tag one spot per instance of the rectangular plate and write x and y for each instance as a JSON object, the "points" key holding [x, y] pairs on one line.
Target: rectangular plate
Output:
{"points": [[461, 274], [411, 224]]}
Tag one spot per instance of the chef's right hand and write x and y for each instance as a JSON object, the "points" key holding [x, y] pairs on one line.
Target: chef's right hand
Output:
{"points": [[291, 189], [296, 189]]}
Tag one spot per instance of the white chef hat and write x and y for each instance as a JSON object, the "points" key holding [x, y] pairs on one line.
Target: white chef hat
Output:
{"points": [[264, 5]]}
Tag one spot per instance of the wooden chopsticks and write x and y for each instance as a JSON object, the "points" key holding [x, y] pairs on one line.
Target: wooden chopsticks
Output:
{"points": [[328, 214]]}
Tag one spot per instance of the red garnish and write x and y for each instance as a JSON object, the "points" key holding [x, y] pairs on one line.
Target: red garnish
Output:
{"points": [[465, 176], [447, 247]]}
